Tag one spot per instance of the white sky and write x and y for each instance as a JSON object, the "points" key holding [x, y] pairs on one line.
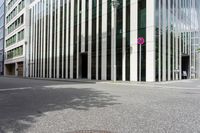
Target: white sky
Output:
{"points": [[1, 1]]}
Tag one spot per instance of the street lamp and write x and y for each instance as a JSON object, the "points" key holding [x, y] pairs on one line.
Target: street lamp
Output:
{"points": [[115, 4]]}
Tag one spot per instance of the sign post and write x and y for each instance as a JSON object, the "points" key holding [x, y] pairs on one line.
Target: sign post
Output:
{"points": [[140, 42]]}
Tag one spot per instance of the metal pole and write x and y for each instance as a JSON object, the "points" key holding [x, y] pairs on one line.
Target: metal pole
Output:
{"points": [[25, 61]]}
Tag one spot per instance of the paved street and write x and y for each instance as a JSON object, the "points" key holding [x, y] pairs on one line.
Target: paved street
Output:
{"points": [[41, 106]]}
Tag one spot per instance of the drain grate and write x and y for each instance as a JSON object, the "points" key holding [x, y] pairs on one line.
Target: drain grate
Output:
{"points": [[90, 131]]}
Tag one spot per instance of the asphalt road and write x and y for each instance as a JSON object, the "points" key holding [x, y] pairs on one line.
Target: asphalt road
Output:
{"points": [[40, 106]]}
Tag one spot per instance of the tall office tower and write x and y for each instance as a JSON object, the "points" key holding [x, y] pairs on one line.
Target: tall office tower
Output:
{"points": [[2, 19], [142, 40], [16, 37]]}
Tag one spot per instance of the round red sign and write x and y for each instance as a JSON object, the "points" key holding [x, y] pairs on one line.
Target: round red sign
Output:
{"points": [[140, 40]]}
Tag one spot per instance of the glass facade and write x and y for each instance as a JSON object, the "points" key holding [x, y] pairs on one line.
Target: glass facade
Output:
{"points": [[63, 33], [175, 23], [142, 33]]}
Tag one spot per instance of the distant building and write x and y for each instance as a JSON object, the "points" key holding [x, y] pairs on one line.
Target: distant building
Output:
{"points": [[73, 39], [2, 20], [16, 37]]}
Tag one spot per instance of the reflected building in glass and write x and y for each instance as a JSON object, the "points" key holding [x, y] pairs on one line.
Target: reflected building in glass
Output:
{"points": [[72, 39], [176, 24]]}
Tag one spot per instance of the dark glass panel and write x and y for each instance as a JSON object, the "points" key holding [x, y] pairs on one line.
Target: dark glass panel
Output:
{"points": [[109, 31], [65, 32], [86, 25], [61, 39], [69, 33], [119, 40], [75, 40], [80, 37], [53, 30], [100, 37], [142, 33], [127, 39], [94, 39]]}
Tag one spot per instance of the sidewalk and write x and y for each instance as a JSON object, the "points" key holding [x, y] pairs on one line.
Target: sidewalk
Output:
{"points": [[106, 81], [59, 79]]}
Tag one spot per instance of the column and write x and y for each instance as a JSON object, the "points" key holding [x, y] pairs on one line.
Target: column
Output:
{"points": [[83, 21], [104, 40], [150, 41], [72, 39], [133, 40], [78, 34], [90, 40], [67, 42], [50, 39], [124, 42], [97, 41]]}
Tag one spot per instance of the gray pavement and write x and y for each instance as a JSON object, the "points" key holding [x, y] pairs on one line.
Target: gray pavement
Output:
{"points": [[40, 106]]}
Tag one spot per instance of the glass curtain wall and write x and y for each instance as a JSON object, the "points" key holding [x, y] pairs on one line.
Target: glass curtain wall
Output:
{"points": [[56, 38], [142, 33], [175, 21]]}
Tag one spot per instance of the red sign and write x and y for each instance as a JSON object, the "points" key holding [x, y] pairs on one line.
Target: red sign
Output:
{"points": [[140, 40]]}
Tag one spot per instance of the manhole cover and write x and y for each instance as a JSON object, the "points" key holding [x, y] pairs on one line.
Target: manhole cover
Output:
{"points": [[90, 131]]}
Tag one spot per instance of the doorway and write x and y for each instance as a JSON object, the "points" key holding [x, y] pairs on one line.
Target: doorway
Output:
{"points": [[83, 65], [10, 69], [20, 69], [185, 66]]}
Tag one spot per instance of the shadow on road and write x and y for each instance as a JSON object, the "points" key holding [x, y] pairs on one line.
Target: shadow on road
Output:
{"points": [[18, 109], [10, 82]]}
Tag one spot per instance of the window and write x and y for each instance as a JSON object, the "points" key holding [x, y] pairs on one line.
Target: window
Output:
{"points": [[20, 35], [11, 41], [15, 52], [16, 24]]}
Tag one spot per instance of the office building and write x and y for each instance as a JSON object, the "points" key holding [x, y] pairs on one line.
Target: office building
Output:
{"points": [[75, 39], [16, 37]]}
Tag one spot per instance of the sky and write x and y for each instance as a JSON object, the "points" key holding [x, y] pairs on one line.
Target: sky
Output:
{"points": [[1, 1]]}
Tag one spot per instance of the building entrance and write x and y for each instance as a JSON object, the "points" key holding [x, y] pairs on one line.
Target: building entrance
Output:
{"points": [[185, 66], [10, 69], [83, 65], [20, 69]]}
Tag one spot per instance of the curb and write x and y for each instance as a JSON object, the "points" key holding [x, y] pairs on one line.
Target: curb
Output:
{"points": [[55, 79]]}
